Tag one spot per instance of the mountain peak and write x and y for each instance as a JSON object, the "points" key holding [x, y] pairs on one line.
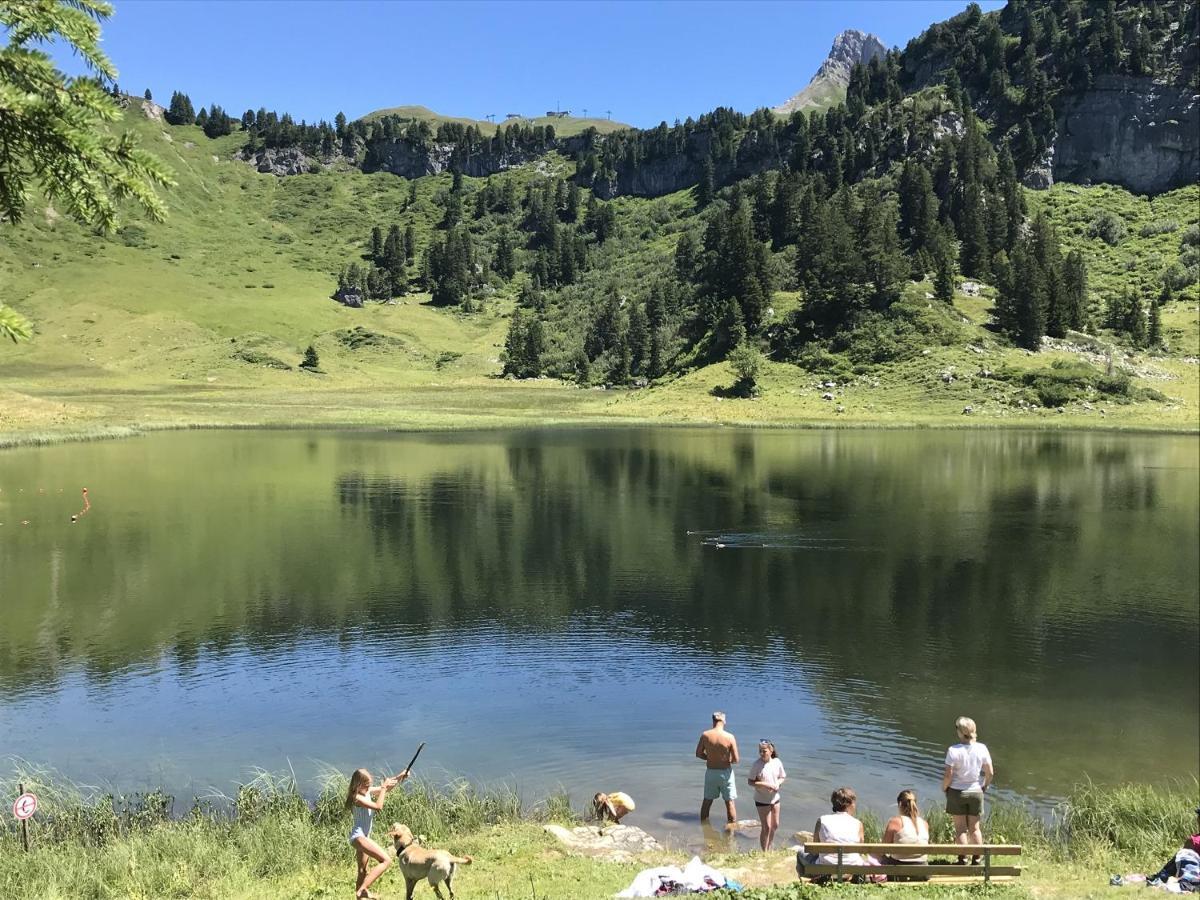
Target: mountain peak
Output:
{"points": [[828, 86]]}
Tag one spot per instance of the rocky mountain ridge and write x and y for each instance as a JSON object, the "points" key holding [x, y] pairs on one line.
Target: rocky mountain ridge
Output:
{"points": [[850, 48]]}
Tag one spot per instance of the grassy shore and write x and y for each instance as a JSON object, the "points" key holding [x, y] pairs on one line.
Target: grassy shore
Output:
{"points": [[269, 842]]}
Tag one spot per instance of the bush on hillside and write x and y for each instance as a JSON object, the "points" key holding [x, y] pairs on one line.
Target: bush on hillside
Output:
{"points": [[1190, 236], [1158, 226], [1109, 227]]}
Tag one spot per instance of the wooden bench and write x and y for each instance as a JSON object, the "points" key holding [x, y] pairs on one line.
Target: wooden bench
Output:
{"points": [[938, 872]]}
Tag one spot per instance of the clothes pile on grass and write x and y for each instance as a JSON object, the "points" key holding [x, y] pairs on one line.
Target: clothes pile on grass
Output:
{"points": [[669, 881]]}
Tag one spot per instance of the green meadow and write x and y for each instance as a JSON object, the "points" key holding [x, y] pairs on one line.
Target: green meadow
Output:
{"points": [[203, 321]]}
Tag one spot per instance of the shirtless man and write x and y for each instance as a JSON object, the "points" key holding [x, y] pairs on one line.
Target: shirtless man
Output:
{"points": [[718, 748]]}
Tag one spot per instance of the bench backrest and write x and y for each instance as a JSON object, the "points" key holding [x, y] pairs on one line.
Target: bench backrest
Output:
{"points": [[917, 849]]}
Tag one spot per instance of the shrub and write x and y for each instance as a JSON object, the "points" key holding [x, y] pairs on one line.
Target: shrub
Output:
{"points": [[1109, 227], [746, 362], [1158, 226], [1190, 236], [1116, 385]]}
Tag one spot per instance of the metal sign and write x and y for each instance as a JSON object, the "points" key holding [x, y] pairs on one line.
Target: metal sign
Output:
{"points": [[25, 806]]}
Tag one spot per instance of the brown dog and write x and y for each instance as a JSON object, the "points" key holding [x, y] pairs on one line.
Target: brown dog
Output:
{"points": [[416, 863]]}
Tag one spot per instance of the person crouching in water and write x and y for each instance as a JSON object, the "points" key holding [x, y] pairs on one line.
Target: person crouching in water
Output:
{"points": [[365, 801], [612, 807]]}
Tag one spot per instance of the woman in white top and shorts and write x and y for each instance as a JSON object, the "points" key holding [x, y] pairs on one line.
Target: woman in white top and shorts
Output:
{"points": [[966, 777], [767, 777]]}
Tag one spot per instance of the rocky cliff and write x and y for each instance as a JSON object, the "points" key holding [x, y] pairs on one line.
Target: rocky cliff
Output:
{"points": [[828, 86], [1129, 131], [757, 152], [413, 160]]}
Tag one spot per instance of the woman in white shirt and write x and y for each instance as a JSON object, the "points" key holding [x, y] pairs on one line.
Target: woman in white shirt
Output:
{"points": [[965, 779], [906, 828], [840, 827], [767, 777]]}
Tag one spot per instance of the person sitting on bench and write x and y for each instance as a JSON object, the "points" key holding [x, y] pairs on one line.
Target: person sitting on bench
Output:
{"points": [[906, 828]]}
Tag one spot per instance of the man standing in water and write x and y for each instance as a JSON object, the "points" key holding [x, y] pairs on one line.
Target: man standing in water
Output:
{"points": [[718, 748]]}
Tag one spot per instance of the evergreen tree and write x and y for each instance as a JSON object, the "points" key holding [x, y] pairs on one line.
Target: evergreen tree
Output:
{"points": [[1154, 334], [975, 253], [943, 282], [514, 345], [148, 95], [884, 266], [1134, 323], [55, 130], [377, 244], [410, 244], [1074, 287], [639, 339], [687, 257], [706, 188], [505, 260], [339, 125], [311, 359], [180, 112], [571, 212]]}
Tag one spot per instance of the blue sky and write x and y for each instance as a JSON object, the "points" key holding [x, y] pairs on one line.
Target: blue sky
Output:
{"points": [[644, 61]]}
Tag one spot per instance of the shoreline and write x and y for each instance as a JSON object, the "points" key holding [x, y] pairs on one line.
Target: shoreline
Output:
{"points": [[271, 842], [31, 438]]}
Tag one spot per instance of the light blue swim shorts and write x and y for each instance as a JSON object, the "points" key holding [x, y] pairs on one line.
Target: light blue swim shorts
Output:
{"points": [[719, 783]]}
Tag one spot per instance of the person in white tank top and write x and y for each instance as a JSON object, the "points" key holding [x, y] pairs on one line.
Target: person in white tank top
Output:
{"points": [[840, 827], [906, 828]]}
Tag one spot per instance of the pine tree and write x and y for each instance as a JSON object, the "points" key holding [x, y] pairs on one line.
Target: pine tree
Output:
{"points": [[975, 254], [180, 111], [943, 281], [505, 260], [1074, 287], [884, 266], [514, 345], [639, 339], [339, 125], [311, 360], [571, 213], [706, 188], [1134, 322], [1154, 335], [686, 257], [148, 95], [377, 244], [410, 244]]}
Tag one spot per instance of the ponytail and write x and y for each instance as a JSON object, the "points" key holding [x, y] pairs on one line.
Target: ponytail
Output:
{"points": [[907, 801]]}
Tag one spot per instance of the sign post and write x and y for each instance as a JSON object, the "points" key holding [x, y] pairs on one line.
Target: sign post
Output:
{"points": [[24, 807]]}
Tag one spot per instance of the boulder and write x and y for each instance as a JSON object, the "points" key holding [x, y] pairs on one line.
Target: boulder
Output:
{"points": [[615, 843]]}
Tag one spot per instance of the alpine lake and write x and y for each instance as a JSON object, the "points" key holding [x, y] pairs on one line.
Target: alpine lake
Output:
{"points": [[563, 609]]}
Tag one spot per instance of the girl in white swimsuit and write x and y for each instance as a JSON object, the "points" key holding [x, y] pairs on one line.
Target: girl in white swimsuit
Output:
{"points": [[365, 800]]}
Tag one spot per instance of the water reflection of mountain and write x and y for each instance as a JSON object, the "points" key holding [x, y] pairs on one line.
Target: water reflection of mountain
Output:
{"points": [[1020, 576]]}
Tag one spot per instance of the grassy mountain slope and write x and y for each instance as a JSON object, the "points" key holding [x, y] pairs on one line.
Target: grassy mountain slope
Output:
{"points": [[564, 126], [203, 320]]}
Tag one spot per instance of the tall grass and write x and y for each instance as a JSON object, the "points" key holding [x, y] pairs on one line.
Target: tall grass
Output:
{"points": [[1140, 822], [268, 837]]}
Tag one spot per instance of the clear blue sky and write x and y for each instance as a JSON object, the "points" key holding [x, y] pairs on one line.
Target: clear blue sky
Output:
{"points": [[645, 61]]}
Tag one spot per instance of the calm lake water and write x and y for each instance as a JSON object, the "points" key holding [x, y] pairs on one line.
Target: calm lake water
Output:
{"points": [[567, 607]]}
